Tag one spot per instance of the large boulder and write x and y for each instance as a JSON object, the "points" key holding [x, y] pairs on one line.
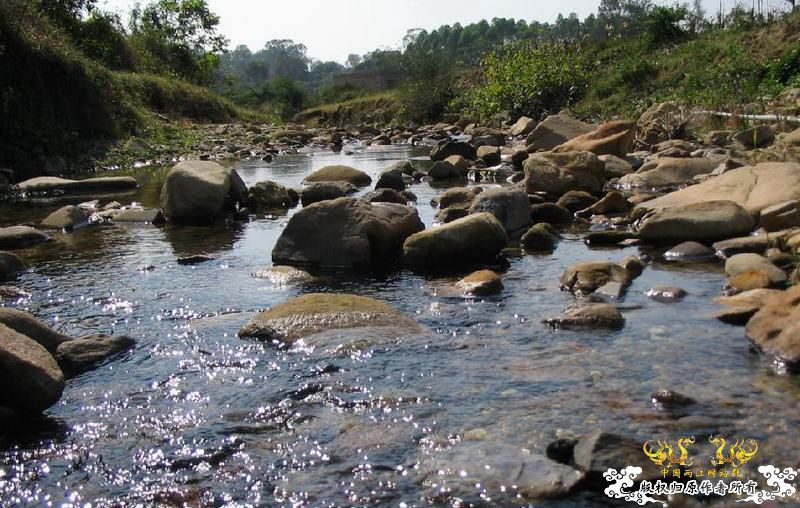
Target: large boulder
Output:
{"points": [[477, 238], [661, 122], [667, 171], [26, 324], [611, 138], [523, 126], [10, 265], [391, 179], [198, 191], [704, 221], [66, 218], [19, 237], [102, 185], [775, 328], [510, 206], [555, 130], [29, 375], [340, 174], [558, 173], [345, 232], [315, 318], [447, 147], [442, 171], [752, 187]]}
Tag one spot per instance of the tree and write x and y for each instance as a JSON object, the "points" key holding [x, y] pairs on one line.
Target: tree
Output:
{"points": [[179, 36], [353, 60], [66, 13]]}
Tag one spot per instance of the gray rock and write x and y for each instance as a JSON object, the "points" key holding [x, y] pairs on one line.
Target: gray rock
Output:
{"points": [[781, 216], [340, 174], [489, 154], [345, 232], [689, 252], [666, 294], [451, 214], [324, 191], [84, 353], [103, 185], [66, 218], [266, 196], [598, 315], [669, 171], [385, 195], [458, 196], [31, 379], [443, 170], [705, 221], [555, 130], [26, 324], [598, 451], [509, 206], [616, 167], [755, 137], [145, 215], [523, 126], [558, 173], [19, 237], [391, 179], [200, 191], [540, 237], [10, 265], [447, 147]]}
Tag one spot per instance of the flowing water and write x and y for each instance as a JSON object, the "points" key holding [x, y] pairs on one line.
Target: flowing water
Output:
{"points": [[195, 415]]}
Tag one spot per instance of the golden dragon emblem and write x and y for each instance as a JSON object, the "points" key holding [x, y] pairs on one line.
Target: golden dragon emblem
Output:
{"points": [[738, 453], [662, 453]]}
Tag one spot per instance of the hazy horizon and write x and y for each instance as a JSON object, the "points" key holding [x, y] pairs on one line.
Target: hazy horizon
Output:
{"points": [[333, 30]]}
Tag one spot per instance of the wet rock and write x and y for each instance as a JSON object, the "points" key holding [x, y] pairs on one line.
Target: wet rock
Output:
{"points": [[12, 293], [555, 130], [446, 148], [19, 237], [314, 314], [775, 328], [200, 191], [29, 326], [576, 200], [608, 237], [317, 192], [451, 214], [460, 163], [616, 167], [755, 137], [523, 126], [10, 265], [741, 263], [481, 283], [752, 187], [144, 215], [477, 238], [559, 173], [385, 196], [598, 451], [345, 233], [267, 195], [666, 294], [704, 221], [509, 206], [747, 280], [550, 213], [669, 171], [781, 216], [284, 275], [458, 196], [561, 450], [66, 218], [733, 246], [391, 179], [540, 237], [488, 154], [612, 203], [31, 378], [194, 260], [443, 171], [741, 307], [585, 278], [406, 167], [598, 315], [84, 353], [611, 138], [340, 174], [669, 399], [472, 471], [103, 185]]}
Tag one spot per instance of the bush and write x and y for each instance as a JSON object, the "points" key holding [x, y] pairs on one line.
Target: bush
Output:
{"points": [[102, 38], [786, 70], [526, 80], [663, 25]]}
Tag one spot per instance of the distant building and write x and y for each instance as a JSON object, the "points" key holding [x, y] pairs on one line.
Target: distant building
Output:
{"points": [[369, 80]]}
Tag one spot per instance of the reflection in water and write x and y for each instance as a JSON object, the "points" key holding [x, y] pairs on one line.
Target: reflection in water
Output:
{"points": [[194, 415]]}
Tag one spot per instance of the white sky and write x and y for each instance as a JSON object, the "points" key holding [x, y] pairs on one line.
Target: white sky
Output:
{"points": [[332, 29]]}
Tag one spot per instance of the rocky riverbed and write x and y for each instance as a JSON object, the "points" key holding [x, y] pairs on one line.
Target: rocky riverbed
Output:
{"points": [[449, 314]]}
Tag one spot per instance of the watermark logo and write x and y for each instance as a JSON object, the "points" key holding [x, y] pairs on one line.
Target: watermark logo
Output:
{"points": [[687, 475]]}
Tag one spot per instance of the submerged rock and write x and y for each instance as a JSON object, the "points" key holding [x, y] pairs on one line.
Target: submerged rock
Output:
{"points": [[103, 185], [200, 191], [66, 218], [84, 353], [340, 174], [30, 376], [585, 278], [481, 283], [775, 328], [705, 221], [477, 238], [598, 315], [284, 275], [598, 451], [313, 314], [20, 237], [346, 232], [741, 307]]}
